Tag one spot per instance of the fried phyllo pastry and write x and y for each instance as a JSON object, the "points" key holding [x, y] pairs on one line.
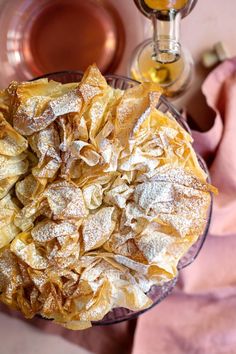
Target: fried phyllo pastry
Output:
{"points": [[8, 230], [5, 105], [102, 194], [13, 158], [38, 103]]}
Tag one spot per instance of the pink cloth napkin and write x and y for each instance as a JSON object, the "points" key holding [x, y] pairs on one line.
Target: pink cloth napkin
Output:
{"points": [[200, 317]]}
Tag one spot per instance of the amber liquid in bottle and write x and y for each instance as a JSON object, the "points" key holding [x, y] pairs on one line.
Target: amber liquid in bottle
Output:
{"points": [[165, 5], [160, 73], [150, 70]]}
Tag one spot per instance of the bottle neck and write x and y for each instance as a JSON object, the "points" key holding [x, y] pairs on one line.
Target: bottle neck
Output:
{"points": [[166, 31]]}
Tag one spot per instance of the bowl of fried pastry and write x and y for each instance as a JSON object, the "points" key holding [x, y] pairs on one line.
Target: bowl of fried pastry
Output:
{"points": [[103, 199]]}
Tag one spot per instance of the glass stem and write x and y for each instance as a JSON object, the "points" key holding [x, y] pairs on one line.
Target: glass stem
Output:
{"points": [[166, 29]]}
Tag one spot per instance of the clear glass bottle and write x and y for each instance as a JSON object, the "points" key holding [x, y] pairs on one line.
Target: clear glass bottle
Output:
{"points": [[162, 59]]}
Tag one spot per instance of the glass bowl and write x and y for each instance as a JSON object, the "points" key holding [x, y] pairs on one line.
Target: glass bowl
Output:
{"points": [[156, 293]]}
